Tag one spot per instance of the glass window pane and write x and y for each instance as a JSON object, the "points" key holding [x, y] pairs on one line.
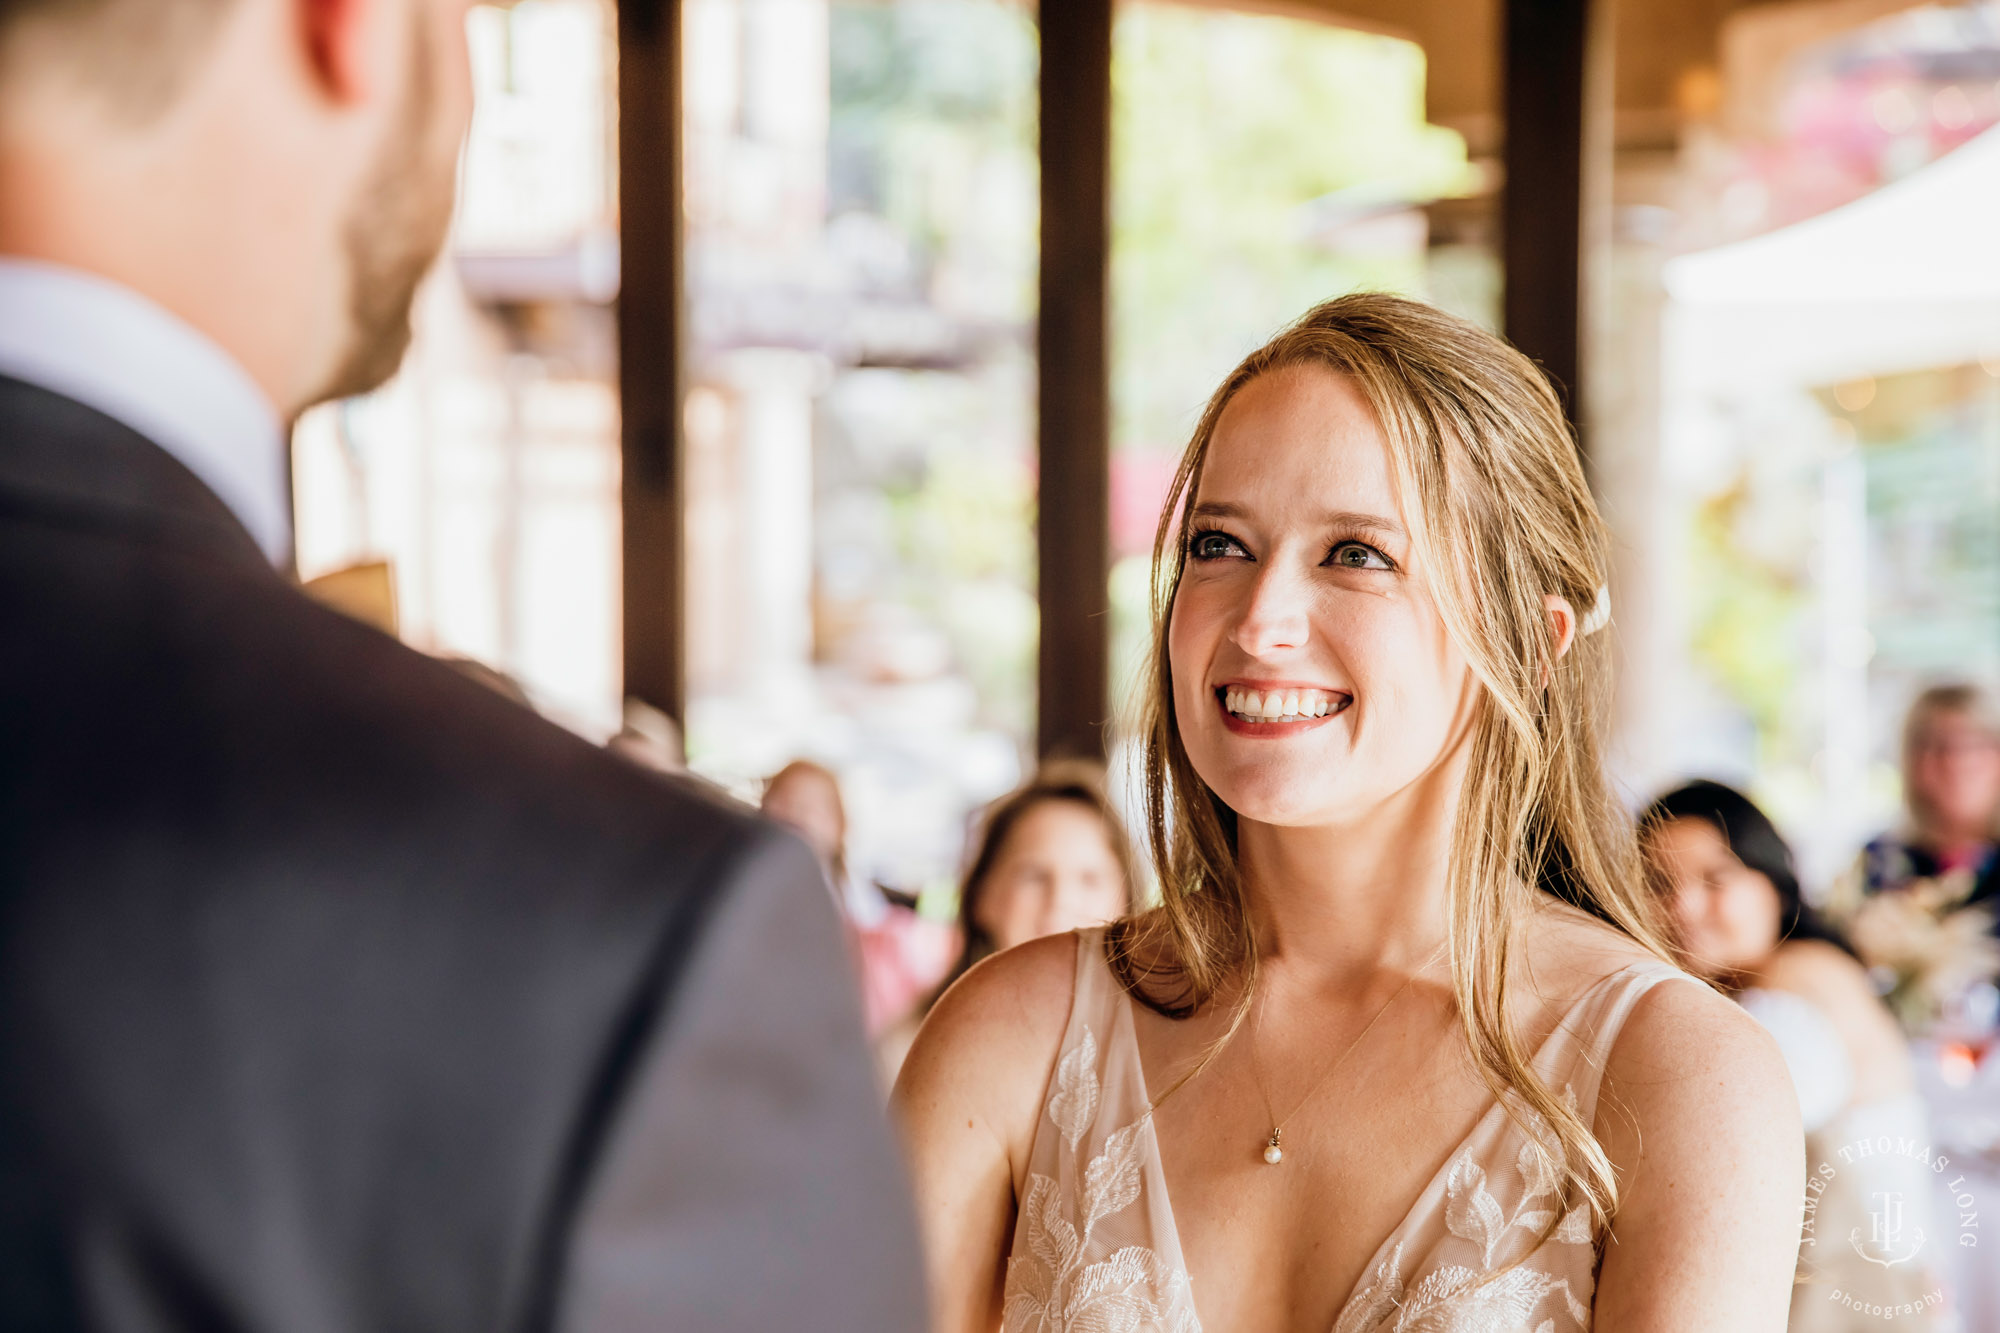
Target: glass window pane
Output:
{"points": [[861, 199], [484, 477]]}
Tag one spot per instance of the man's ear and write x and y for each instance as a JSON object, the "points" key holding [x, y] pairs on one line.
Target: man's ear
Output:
{"points": [[342, 45], [1562, 625]]}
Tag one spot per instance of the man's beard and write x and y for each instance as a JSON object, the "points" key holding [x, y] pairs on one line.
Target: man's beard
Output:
{"points": [[397, 227]]}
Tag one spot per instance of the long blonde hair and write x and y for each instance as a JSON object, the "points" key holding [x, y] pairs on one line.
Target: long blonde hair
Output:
{"points": [[1501, 516]]}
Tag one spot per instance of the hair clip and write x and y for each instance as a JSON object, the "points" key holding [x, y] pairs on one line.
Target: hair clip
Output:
{"points": [[1599, 614]]}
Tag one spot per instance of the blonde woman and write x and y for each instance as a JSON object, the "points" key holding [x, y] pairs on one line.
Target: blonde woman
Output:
{"points": [[1402, 1048], [1951, 785]]}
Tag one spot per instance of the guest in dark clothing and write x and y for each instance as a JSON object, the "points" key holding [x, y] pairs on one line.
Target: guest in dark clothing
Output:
{"points": [[338, 992], [1951, 789]]}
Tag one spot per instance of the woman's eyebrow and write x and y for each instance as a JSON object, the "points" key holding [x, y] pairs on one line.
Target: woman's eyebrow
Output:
{"points": [[1217, 509], [1338, 518], [1375, 523]]}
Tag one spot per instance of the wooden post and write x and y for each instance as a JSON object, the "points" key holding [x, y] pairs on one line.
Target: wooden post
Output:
{"points": [[1073, 538], [1547, 48], [649, 349]]}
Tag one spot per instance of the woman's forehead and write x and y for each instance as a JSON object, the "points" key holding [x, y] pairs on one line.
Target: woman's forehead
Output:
{"points": [[1300, 436], [1952, 724], [1690, 834]]}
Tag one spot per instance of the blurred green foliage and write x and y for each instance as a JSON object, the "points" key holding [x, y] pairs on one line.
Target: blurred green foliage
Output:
{"points": [[933, 128], [1235, 139], [1747, 614], [1225, 127]]}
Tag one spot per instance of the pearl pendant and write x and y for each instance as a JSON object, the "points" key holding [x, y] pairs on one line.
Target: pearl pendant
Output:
{"points": [[1273, 1154]]}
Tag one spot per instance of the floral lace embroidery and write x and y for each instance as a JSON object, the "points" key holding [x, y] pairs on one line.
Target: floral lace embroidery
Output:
{"points": [[1056, 1287], [1461, 1264], [1454, 1298]]}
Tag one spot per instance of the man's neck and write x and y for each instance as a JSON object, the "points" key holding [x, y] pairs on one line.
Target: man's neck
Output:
{"points": [[109, 348]]}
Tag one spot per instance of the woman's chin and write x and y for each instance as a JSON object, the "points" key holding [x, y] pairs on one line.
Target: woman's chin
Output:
{"points": [[1277, 791], [1281, 804]]}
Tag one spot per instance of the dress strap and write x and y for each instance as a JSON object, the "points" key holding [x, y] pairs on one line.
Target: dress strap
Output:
{"points": [[1097, 990], [1583, 1040]]}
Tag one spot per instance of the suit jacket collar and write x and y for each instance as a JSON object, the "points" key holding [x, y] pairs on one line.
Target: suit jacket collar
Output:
{"points": [[109, 347], [68, 462]]}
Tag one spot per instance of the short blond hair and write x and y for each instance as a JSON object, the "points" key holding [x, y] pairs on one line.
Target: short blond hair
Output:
{"points": [[1953, 698], [135, 55]]}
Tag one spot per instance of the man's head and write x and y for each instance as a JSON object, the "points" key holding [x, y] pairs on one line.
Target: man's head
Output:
{"points": [[278, 173]]}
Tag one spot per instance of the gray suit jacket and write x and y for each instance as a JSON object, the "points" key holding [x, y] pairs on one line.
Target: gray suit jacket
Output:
{"points": [[338, 995]]}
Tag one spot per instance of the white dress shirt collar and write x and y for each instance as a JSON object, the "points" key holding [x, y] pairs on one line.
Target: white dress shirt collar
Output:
{"points": [[111, 349]]}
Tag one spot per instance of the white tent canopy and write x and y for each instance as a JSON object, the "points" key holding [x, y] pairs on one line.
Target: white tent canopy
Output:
{"points": [[1905, 278]]}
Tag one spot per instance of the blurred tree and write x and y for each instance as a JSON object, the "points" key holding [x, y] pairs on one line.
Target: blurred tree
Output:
{"points": [[1250, 152]]}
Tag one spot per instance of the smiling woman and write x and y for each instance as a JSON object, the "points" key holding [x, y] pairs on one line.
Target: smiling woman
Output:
{"points": [[1373, 749]]}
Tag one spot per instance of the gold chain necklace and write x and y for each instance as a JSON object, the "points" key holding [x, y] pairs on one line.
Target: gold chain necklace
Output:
{"points": [[1274, 1149]]}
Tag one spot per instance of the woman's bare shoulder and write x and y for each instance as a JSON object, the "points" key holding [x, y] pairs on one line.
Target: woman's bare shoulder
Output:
{"points": [[985, 1052], [1697, 1115], [1023, 994], [1693, 1083], [1818, 970], [1835, 984], [969, 1100], [1682, 1028]]}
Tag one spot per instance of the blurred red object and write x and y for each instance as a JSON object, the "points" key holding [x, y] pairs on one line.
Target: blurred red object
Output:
{"points": [[902, 958]]}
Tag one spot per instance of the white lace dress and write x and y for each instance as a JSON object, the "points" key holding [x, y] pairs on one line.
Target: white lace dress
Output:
{"points": [[1095, 1247]]}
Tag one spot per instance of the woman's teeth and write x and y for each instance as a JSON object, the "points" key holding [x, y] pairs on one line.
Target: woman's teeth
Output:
{"points": [[1279, 705]]}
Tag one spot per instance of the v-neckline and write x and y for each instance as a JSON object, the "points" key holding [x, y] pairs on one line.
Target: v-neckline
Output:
{"points": [[1438, 1179]]}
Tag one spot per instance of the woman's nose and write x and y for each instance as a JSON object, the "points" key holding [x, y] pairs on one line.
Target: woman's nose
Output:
{"points": [[1276, 616]]}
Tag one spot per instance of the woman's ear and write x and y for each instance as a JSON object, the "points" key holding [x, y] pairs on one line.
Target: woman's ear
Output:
{"points": [[1562, 625]]}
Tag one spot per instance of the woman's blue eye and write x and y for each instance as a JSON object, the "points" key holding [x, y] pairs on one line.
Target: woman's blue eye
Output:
{"points": [[1357, 555]]}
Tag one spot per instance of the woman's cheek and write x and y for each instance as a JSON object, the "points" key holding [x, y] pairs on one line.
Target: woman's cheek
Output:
{"points": [[1190, 637]]}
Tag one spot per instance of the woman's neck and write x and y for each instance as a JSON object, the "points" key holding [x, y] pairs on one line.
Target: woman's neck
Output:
{"points": [[1353, 899]]}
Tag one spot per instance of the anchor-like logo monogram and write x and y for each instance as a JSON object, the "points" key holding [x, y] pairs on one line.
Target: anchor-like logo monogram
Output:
{"points": [[1887, 1237]]}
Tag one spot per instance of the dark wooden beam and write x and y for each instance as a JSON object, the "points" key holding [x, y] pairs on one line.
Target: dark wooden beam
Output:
{"points": [[1545, 55], [649, 348], [1073, 525]]}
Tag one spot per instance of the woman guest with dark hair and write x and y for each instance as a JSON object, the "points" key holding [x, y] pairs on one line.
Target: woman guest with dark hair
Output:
{"points": [[1727, 879], [1052, 856]]}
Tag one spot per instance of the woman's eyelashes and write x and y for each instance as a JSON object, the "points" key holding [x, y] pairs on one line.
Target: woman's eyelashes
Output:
{"points": [[1351, 554], [1213, 544]]}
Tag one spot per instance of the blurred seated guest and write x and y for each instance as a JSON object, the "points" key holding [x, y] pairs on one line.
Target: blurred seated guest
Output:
{"points": [[1735, 905], [901, 955], [1052, 856], [1951, 789]]}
